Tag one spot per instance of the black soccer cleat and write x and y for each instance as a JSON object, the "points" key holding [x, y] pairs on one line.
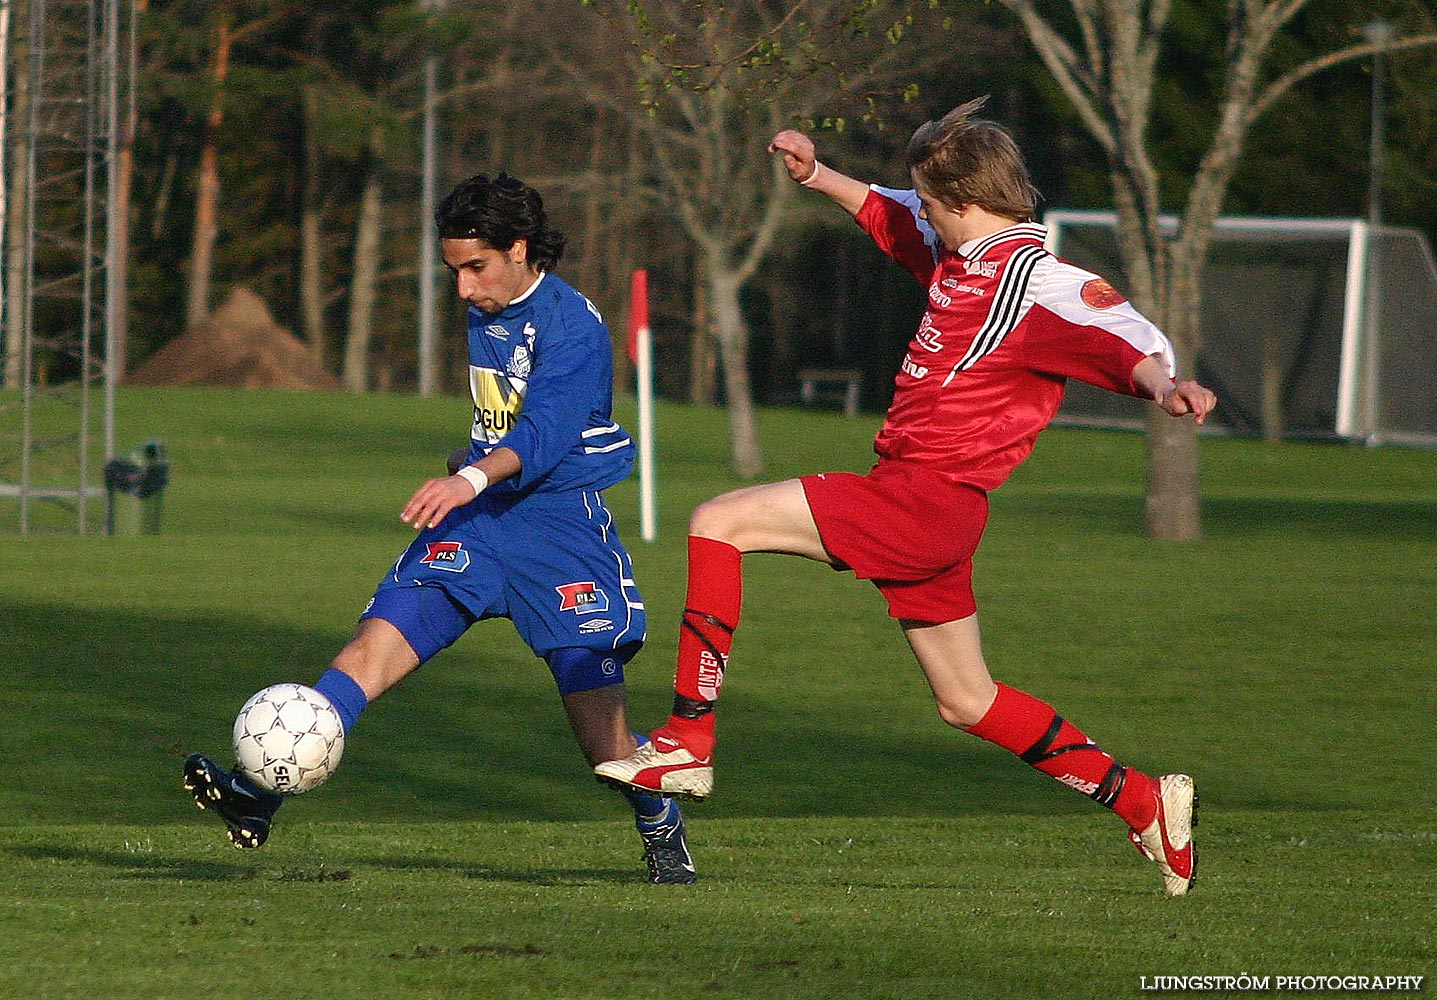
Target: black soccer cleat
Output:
{"points": [[666, 849], [246, 809]]}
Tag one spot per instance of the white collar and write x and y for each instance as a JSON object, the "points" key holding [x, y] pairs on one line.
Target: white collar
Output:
{"points": [[528, 291]]}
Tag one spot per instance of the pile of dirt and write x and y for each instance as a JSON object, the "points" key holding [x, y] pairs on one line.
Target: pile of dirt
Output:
{"points": [[240, 345]]}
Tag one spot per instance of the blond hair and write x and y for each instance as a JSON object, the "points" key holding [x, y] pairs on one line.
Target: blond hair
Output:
{"points": [[964, 160]]}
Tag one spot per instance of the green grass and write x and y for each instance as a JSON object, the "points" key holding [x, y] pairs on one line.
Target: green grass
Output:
{"points": [[856, 847]]}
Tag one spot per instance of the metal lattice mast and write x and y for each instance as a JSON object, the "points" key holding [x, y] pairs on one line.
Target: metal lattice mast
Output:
{"points": [[64, 75]]}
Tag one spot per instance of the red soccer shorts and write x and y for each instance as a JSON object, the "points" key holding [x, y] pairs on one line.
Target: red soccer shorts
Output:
{"points": [[908, 530]]}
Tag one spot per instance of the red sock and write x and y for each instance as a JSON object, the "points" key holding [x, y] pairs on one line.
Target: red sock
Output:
{"points": [[1023, 725], [711, 613]]}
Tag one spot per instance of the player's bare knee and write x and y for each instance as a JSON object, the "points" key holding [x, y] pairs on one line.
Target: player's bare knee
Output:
{"points": [[963, 711], [714, 519]]}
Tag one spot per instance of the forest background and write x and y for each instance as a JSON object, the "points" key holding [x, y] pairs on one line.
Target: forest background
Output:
{"points": [[277, 146]]}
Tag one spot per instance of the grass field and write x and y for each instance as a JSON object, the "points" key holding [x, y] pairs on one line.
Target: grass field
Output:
{"points": [[855, 847]]}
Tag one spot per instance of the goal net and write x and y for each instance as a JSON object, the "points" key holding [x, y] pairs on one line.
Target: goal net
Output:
{"points": [[1315, 328]]}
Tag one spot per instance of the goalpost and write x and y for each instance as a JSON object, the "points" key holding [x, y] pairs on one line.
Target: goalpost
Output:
{"points": [[1316, 328]]}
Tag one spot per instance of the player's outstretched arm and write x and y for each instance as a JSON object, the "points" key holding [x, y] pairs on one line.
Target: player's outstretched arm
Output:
{"points": [[801, 161]]}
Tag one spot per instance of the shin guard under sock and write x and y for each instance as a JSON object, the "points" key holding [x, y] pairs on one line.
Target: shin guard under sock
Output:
{"points": [[711, 612], [1039, 736]]}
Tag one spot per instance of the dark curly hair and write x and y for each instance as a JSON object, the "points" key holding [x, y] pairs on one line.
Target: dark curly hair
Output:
{"points": [[500, 212]]}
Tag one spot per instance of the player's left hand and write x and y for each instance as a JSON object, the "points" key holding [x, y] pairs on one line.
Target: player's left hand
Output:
{"points": [[435, 499], [1189, 397]]}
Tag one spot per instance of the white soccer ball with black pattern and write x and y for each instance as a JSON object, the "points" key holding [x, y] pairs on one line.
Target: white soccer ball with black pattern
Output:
{"points": [[288, 738]]}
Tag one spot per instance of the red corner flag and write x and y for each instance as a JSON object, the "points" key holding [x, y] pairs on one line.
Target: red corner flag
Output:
{"points": [[638, 311]]}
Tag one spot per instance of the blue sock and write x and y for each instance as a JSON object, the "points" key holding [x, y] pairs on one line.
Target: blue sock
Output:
{"points": [[647, 805], [344, 693]]}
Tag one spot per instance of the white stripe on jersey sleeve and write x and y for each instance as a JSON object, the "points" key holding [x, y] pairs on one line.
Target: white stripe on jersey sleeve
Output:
{"points": [[1060, 292], [592, 450]]}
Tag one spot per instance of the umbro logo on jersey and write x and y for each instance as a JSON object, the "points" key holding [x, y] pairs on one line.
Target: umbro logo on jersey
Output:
{"points": [[497, 332], [596, 625], [448, 556], [582, 598]]}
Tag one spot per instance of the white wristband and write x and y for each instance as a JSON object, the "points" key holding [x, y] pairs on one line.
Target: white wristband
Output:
{"points": [[475, 477], [813, 176]]}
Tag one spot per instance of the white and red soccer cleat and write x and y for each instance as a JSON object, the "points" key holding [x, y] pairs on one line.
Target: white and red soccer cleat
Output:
{"points": [[663, 766], [1168, 839]]}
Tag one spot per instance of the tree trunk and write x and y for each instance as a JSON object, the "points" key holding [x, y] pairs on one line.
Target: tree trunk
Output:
{"points": [[702, 388], [207, 190], [311, 260], [364, 285], [17, 199], [124, 207], [732, 336], [1173, 507]]}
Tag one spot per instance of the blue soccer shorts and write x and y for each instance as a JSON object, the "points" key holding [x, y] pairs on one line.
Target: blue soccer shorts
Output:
{"points": [[552, 563]]}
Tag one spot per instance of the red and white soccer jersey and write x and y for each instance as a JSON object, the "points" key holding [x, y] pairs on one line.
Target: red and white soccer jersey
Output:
{"points": [[1007, 324]]}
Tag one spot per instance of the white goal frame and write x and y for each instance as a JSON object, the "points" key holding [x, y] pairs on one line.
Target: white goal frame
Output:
{"points": [[1358, 407]]}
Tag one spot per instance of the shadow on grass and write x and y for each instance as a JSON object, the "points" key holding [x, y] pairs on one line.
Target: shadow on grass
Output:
{"points": [[94, 699], [150, 865], [102, 700], [156, 864]]}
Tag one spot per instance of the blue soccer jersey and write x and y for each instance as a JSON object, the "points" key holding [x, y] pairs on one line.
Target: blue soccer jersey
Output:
{"points": [[541, 373], [540, 548]]}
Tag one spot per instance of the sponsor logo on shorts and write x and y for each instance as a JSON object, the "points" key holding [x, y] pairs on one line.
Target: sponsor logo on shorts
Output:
{"points": [[596, 625], [448, 556], [582, 598]]}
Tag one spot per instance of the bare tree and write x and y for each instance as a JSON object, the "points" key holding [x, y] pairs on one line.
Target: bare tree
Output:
{"points": [[714, 83], [1105, 58]]}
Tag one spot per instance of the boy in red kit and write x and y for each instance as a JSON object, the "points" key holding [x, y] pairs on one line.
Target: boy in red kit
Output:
{"points": [[1007, 324]]}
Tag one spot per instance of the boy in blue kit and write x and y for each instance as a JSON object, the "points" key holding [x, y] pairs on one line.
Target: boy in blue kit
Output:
{"points": [[519, 529]]}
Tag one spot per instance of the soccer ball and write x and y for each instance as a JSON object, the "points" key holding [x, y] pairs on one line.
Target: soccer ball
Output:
{"points": [[288, 738]]}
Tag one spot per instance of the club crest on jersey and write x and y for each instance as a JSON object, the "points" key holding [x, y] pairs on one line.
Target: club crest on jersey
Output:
{"points": [[1098, 294], [521, 364], [582, 598], [448, 556]]}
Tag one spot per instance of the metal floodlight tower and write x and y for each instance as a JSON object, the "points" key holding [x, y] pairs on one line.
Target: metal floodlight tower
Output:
{"points": [[59, 117]]}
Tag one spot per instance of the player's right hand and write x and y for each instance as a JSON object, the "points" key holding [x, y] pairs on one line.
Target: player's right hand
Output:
{"points": [[434, 500], [799, 153]]}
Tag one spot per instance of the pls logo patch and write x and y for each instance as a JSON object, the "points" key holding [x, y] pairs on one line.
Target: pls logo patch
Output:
{"points": [[448, 556], [582, 598]]}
